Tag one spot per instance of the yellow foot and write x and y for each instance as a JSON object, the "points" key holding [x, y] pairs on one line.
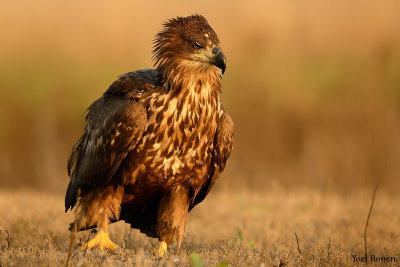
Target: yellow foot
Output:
{"points": [[162, 249], [101, 240]]}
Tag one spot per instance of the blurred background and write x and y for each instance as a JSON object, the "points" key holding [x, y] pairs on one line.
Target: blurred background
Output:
{"points": [[313, 86]]}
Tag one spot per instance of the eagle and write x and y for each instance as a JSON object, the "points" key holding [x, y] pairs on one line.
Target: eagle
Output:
{"points": [[155, 142]]}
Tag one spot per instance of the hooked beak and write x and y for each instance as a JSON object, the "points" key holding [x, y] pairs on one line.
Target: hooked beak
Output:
{"points": [[218, 59]]}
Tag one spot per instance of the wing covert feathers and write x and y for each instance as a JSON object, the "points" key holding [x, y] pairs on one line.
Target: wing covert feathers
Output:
{"points": [[114, 125], [223, 141]]}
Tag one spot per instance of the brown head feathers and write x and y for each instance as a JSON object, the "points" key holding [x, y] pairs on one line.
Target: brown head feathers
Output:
{"points": [[178, 47]]}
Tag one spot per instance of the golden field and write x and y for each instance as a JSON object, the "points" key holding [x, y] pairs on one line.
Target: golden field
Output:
{"points": [[313, 88], [237, 227]]}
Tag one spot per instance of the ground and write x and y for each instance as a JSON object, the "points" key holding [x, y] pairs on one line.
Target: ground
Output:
{"points": [[241, 228]]}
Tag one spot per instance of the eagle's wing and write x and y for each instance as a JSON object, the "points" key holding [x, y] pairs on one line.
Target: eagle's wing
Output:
{"points": [[223, 144], [114, 125]]}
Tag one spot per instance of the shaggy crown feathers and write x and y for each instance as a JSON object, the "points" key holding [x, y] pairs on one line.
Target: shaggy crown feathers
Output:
{"points": [[174, 41]]}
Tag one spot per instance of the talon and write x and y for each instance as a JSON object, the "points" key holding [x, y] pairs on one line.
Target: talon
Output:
{"points": [[162, 249], [101, 240]]}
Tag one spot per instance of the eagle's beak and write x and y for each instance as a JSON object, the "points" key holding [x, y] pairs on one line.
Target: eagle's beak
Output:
{"points": [[218, 59]]}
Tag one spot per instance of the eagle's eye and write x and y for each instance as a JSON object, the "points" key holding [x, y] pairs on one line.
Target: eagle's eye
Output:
{"points": [[196, 45]]}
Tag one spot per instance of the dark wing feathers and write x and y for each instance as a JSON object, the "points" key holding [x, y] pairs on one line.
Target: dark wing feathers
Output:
{"points": [[132, 84], [114, 125], [223, 144]]}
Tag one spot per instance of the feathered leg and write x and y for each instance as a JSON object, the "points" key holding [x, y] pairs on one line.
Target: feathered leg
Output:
{"points": [[97, 208], [171, 218]]}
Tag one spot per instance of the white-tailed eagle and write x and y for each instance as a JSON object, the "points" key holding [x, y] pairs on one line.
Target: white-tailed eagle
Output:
{"points": [[156, 141]]}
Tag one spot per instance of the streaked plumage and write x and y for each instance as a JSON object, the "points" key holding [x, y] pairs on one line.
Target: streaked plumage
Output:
{"points": [[156, 141]]}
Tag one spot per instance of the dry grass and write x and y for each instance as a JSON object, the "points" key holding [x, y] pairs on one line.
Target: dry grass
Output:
{"points": [[240, 228]]}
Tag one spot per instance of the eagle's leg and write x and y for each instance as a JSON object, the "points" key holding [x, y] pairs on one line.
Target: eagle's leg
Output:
{"points": [[97, 208], [101, 240], [171, 218]]}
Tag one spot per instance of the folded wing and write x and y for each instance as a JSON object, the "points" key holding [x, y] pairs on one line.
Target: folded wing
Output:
{"points": [[114, 125], [223, 144]]}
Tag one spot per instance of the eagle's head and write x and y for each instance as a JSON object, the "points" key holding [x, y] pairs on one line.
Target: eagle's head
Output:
{"points": [[188, 44]]}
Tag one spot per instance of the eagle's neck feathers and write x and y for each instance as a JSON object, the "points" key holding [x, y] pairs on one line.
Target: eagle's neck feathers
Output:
{"points": [[182, 75]]}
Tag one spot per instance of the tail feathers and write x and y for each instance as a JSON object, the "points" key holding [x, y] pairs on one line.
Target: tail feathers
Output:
{"points": [[144, 219]]}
